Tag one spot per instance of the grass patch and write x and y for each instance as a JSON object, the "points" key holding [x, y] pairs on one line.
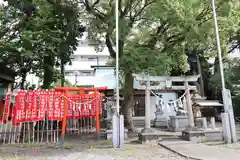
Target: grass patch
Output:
{"points": [[107, 142]]}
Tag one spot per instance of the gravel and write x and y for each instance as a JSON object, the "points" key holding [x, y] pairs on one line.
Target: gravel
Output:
{"points": [[91, 150], [130, 152]]}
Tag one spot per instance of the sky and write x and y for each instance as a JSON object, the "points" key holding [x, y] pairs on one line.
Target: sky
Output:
{"points": [[1, 2]]}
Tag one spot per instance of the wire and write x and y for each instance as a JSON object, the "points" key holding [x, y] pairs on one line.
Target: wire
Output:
{"points": [[169, 101], [76, 103]]}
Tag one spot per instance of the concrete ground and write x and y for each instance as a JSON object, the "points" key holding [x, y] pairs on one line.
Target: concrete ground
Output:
{"points": [[206, 151], [201, 151], [87, 149]]}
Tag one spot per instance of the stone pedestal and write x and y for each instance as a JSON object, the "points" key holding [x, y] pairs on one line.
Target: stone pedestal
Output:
{"points": [[108, 134], [149, 136], [160, 121], [203, 135], [197, 136], [213, 134], [178, 123]]}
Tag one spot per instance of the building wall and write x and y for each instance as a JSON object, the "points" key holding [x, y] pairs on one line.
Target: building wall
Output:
{"points": [[80, 71], [167, 96], [101, 77], [140, 107]]}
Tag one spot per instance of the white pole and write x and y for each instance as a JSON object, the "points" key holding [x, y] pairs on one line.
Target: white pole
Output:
{"points": [[117, 58], [147, 107], [230, 121], [218, 44]]}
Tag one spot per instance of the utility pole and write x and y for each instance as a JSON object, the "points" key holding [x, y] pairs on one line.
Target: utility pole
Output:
{"points": [[118, 120], [228, 111]]}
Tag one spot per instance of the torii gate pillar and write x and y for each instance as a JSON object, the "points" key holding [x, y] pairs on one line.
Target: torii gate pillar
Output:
{"points": [[148, 133], [147, 127], [189, 105]]}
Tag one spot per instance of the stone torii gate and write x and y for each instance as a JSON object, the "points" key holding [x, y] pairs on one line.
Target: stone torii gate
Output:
{"points": [[168, 85]]}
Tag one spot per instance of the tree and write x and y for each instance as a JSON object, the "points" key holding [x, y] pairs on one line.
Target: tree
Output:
{"points": [[39, 35], [232, 76], [154, 35]]}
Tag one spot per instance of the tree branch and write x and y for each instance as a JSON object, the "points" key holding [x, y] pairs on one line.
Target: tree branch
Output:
{"points": [[127, 8], [160, 30], [146, 4], [91, 9], [110, 46]]}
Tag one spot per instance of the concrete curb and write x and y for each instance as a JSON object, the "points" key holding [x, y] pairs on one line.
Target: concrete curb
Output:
{"points": [[180, 154]]}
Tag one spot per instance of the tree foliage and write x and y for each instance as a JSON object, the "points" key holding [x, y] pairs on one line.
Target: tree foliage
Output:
{"points": [[232, 76], [156, 36], [39, 35]]}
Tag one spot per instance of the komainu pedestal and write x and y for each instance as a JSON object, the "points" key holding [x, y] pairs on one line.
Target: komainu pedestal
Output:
{"points": [[149, 136], [178, 123], [160, 121], [200, 135]]}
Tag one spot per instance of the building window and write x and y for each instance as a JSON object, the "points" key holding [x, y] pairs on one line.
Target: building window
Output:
{"points": [[69, 73], [92, 59], [86, 73]]}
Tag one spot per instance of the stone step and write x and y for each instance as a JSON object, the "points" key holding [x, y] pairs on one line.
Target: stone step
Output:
{"points": [[139, 123]]}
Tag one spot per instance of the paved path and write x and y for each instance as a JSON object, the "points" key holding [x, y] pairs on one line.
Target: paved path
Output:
{"points": [[200, 151]]}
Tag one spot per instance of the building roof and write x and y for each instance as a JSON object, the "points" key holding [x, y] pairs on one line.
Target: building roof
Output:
{"points": [[208, 103], [102, 66]]}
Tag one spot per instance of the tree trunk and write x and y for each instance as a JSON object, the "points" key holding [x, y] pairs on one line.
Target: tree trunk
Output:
{"points": [[128, 102], [216, 65], [48, 71], [22, 86], [23, 79], [62, 74]]}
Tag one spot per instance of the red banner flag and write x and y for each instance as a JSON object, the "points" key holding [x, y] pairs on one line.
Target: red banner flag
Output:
{"points": [[70, 100], [78, 107], [61, 99], [50, 105], [7, 111], [92, 105], [55, 106], [76, 101], [101, 105], [42, 106], [21, 106], [84, 101], [34, 107]]}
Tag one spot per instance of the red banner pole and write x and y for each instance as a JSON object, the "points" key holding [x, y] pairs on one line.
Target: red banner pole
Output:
{"points": [[64, 121], [97, 114], [81, 93]]}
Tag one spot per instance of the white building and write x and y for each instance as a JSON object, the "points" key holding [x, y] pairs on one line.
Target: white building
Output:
{"points": [[81, 72]]}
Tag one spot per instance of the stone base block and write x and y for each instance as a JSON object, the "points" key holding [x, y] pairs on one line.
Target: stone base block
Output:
{"points": [[175, 129], [149, 137], [108, 134], [213, 135], [194, 136], [160, 123], [201, 136], [178, 123]]}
